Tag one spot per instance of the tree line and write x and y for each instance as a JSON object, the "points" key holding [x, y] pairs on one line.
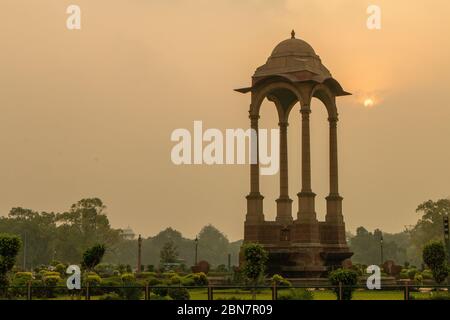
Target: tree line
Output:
{"points": [[50, 236]]}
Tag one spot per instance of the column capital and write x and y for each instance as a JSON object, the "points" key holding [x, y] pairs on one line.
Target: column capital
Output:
{"points": [[283, 124], [305, 110], [333, 119]]}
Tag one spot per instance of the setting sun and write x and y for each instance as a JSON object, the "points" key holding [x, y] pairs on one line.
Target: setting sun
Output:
{"points": [[368, 103]]}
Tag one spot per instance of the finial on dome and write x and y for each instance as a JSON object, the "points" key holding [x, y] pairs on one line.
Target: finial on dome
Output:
{"points": [[292, 34]]}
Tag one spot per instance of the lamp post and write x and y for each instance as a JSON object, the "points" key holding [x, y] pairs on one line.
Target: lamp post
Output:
{"points": [[381, 249], [447, 237], [196, 249], [139, 263]]}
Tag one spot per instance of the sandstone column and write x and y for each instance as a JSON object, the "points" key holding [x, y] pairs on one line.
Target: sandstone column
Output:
{"points": [[334, 200], [284, 203], [306, 197], [254, 199]]}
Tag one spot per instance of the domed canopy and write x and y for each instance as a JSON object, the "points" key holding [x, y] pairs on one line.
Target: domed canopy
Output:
{"points": [[293, 46], [290, 56], [296, 61]]}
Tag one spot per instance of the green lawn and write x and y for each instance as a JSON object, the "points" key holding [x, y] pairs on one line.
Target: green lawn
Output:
{"points": [[227, 294]]}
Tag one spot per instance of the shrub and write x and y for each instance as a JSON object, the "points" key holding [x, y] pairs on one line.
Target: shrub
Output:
{"points": [[418, 278], [280, 281], [94, 282], [105, 270], [127, 277], [20, 282], [50, 282], [130, 291], [412, 273], [188, 281], [195, 279], [145, 275], [255, 260], [160, 290], [9, 247], [93, 256], [347, 278], [296, 294], [168, 275], [110, 296], [427, 274], [179, 293], [61, 269], [153, 281], [434, 255], [175, 279]]}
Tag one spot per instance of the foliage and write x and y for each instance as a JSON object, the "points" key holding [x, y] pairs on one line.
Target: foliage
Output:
{"points": [[61, 269], [280, 281], [179, 293], [9, 247], [50, 280], [160, 290], [20, 282], [93, 256], [367, 247], [195, 279], [110, 296], [127, 277], [429, 226], [255, 260], [131, 289], [435, 257], [347, 278], [169, 253], [67, 234], [296, 294]]}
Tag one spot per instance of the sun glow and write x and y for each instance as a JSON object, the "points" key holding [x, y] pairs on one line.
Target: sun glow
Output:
{"points": [[369, 102]]}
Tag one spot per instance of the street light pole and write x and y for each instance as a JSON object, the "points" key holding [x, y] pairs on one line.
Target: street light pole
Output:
{"points": [[446, 236], [25, 251], [381, 250], [196, 249], [139, 254]]}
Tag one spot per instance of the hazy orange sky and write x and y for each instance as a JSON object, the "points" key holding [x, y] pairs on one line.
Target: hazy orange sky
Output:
{"points": [[89, 112]]}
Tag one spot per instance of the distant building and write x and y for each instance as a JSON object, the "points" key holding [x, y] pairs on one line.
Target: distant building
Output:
{"points": [[128, 234]]}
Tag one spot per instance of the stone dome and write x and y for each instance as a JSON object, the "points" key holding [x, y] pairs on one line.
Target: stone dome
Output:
{"points": [[293, 46], [292, 56]]}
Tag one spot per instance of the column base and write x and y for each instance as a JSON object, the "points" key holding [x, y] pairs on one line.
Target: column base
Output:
{"points": [[284, 210], [334, 209], [306, 206], [254, 208]]}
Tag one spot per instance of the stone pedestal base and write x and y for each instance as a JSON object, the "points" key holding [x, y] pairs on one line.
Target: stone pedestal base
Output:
{"points": [[300, 249]]}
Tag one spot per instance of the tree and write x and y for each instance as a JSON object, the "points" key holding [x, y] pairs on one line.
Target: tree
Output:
{"points": [[429, 226], [344, 281], [169, 253], [37, 231], [435, 257], [84, 225], [367, 247], [93, 256], [255, 262], [9, 247], [213, 245]]}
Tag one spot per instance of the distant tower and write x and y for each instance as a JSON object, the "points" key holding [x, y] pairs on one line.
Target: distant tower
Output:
{"points": [[300, 247], [139, 262]]}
